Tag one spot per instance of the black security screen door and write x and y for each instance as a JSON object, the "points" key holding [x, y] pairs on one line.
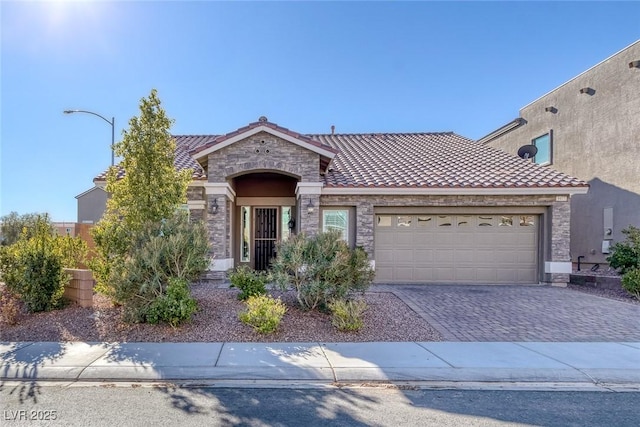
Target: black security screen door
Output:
{"points": [[266, 233]]}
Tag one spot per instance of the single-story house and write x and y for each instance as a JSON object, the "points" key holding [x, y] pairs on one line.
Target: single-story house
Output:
{"points": [[427, 207]]}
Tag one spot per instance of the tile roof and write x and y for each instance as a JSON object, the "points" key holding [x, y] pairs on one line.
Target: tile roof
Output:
{"points": [[182, 159], [431, 160], [400, 160]]}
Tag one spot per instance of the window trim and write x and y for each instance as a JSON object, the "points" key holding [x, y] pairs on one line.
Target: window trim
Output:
{"points": [[533, 142]]}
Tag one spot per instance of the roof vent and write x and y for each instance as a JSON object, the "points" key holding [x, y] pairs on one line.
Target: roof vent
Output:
{"points": [[634, 64], [551, 110], [587, 90], [333, 129], [263, 119]]}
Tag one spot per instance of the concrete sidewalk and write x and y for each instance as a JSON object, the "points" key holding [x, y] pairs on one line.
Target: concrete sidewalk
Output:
{"points": [[601, 364]]}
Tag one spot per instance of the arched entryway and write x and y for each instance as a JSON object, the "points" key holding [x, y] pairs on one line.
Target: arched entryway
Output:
{"points": [[265, 213]]}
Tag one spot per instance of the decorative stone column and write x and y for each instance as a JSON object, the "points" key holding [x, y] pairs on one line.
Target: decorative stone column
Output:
{"points": [[308, 196], [558, 269], [196, 202], [218, 215]]}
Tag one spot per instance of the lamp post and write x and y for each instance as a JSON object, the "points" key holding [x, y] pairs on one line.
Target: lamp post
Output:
{"points": [[112, 123]]}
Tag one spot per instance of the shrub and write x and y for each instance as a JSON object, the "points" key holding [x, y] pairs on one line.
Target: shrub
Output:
{"points": [[264, 313], [625, 255], [72, 251], [32, 268], [321, 268], [249, 281], [174, 308], [171, 249], [631, 282], [346, 315], [9, 307]]}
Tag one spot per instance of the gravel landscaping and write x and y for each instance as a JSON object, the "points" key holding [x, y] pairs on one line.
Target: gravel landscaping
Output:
{"points": [[386, 319]]}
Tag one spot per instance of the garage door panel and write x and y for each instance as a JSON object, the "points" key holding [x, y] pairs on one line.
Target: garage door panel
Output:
{"points": [[404, 256], [384, 256], [422, 256], [404, 239], [486, 275], [456, 249], [423, 273], [384, 274], [465, 274], [403, 274], [443, 275], [504, 275], [445, 256], [464, 256]]}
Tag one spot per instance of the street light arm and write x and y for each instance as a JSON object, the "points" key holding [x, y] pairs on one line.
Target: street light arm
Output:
{"points": [[111, 122]]}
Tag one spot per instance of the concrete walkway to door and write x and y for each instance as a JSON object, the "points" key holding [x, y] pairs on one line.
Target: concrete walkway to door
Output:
{"points": [[519, 313]]}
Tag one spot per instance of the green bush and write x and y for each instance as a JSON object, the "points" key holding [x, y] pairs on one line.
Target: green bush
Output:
{"points": [[346, 315], [625, 256], [264, 313], [174, 308], [172, 249], [321, 268], [32, 268], [249, 281], [631, 282]]}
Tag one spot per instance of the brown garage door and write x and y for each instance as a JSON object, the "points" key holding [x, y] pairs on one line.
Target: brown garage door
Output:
{"points": [[456, 248]]}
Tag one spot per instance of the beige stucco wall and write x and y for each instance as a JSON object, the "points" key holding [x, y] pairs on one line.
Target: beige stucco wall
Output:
{"points": [[596, 137]]}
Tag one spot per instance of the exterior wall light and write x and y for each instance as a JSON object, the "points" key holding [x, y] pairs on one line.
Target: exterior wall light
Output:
{"points": [[213, 208], [310, 206]]}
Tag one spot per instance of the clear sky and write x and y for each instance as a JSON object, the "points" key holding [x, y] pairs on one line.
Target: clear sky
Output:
{"points": [[390, 66]]}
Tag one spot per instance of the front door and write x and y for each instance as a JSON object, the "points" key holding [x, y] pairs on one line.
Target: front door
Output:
{"points": [[265, 236]]}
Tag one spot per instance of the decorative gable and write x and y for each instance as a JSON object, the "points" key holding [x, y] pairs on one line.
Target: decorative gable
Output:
{"points": [[265, 146]]}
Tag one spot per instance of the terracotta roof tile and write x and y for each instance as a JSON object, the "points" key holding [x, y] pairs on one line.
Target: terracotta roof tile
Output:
{"points": [[431, 160], [400, 160], [182, 159]]}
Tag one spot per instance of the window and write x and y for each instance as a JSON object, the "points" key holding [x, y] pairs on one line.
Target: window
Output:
{"points": [[424, 221], [444, 221], [506, 221], [404, 221], [245, 234], [543, 144], [336, 219], [384, 221], [526, 221], [285, 226], [485, 221]]}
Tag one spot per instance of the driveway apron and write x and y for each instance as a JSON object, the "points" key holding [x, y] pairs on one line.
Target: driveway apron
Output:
{"points": [[520, 313]]}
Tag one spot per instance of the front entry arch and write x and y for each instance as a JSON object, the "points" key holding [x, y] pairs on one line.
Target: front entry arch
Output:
{"points": [[265, 213]]}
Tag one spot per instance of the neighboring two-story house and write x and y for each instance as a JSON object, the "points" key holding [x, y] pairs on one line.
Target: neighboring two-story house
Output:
{"points": [[589, 128]]}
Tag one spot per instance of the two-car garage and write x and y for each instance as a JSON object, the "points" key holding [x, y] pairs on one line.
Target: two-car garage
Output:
{"points": [[456, 248]]}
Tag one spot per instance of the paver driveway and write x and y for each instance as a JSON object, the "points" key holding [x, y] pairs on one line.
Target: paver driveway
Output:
{"points": [[520, 313]]}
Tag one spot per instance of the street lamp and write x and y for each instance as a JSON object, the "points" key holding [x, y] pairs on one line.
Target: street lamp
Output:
{"points": [[112, 123]]}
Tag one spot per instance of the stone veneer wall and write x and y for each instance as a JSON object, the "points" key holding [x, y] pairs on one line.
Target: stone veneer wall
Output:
{"points": [[262, 152], [272, 155], [559, 213]]}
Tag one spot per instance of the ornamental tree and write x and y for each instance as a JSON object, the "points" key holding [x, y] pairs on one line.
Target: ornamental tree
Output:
{"points": [[145, 188]]}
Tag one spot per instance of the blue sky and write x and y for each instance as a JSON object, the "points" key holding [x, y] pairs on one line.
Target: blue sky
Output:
{"points": [[390, 66]]}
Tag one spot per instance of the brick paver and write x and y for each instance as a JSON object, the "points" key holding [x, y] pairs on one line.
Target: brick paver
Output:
{"points": [[519, 313]]}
